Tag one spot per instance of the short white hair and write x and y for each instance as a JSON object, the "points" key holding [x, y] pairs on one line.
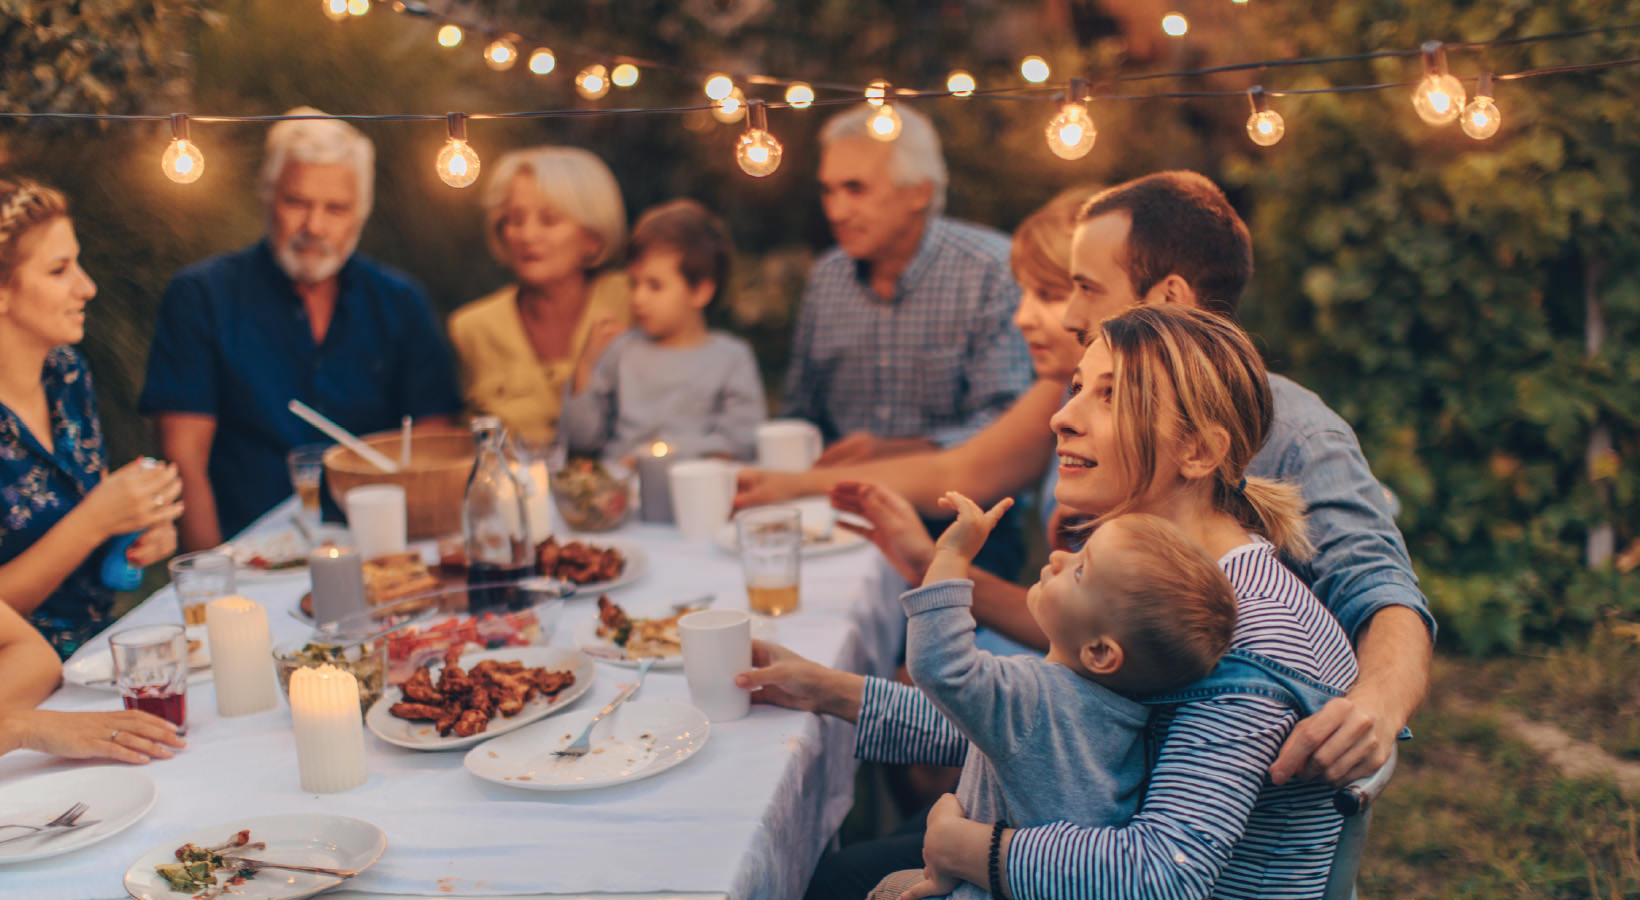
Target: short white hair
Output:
{"points": [[576, 183], [917, 157], [320, 142]]}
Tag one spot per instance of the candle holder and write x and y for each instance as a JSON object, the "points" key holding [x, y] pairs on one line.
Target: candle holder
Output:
{"points": [[238, 631], [324, 711], [654, 479]]}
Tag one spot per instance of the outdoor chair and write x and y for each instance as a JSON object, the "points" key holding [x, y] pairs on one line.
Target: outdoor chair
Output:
{"points": [[1354, 801]]}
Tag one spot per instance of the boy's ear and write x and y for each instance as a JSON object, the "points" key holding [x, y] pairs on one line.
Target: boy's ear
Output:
{"points": [[701, 294], [1203, 454], [1102, 656]]}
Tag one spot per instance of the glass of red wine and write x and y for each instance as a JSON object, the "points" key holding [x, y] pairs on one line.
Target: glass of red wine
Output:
{"points": [[151, 669]]}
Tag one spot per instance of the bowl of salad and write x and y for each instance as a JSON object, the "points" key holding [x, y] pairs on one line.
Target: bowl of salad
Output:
{"points": [[592, 495]]}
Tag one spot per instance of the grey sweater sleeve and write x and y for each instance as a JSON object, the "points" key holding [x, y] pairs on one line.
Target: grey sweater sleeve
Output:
{"points": [[587, 419], [995, 701]]}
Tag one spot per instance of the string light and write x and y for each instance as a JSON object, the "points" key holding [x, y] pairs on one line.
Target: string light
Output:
{"points": [[358, 7], [335, 10], [1265, 126], [1481, 118], [757, 152], [542, 62], [719, 86], [730, 109], [800, 95], [876, 91], [624, 75], [884, 124], [457, 164], [1175, 25], [1034, 69], [501, 54], [960, 83], [1071, 133], [592, 82], [449, 36], [1439, 96], [181, 162]]}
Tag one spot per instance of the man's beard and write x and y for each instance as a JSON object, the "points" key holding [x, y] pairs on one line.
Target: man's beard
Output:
{"points": [[304, 268]]}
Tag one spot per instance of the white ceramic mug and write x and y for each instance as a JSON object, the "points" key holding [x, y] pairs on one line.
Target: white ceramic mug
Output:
{"points": [[717, 646], [787, 445], [376, 514], [703, 493]]}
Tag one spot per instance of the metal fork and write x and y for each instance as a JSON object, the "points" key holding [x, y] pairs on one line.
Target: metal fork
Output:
{"points": [[65, 820], [581, 745]]}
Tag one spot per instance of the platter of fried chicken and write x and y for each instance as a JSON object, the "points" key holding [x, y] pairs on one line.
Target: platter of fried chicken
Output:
{"points": [[478, 695], [593, 566]]}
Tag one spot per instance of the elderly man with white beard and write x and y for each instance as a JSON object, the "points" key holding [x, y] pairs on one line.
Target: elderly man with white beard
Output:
{"points": [[297, 315]]}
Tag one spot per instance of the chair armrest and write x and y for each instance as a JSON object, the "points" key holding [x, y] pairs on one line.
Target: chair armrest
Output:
{"points": [[1358, 796]]}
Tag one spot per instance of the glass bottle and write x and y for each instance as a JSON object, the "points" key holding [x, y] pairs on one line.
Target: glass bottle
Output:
{"points": [[494, 523]]}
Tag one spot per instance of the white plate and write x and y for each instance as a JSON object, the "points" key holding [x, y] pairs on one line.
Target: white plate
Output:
{"points": [[637, 564], [302, 839], [841, 540], [421, 735], [93, 667], [604, 650], [118, 795], [280, 545], [642, 738]]}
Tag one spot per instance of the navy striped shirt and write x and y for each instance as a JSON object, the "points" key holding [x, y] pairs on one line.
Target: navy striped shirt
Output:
{"points": [[1210, 825]]}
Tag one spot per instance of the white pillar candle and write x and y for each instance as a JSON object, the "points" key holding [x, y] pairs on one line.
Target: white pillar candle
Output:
{"points": [[241, 656], [537, 500], [324, 708], [338, 583]]}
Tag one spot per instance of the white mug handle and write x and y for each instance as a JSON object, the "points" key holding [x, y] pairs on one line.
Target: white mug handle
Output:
{"points": [[816, 447]]}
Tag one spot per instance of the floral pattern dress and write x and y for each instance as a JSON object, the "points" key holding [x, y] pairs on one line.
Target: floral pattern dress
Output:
{"points": [[39, 487]]}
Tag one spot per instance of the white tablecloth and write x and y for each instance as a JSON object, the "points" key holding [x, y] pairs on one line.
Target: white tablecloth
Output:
{"points": [[746, 817]]}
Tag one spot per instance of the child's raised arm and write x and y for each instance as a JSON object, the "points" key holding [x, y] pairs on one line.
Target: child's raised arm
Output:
{"points": [[963, 538]]}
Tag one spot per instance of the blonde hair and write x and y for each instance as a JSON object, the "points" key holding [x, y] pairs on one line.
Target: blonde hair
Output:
{"points": [[1216, 380], [577, 184], [318, 142], [25, 205], [1174, 608], [1041, 251], [917, 156]]}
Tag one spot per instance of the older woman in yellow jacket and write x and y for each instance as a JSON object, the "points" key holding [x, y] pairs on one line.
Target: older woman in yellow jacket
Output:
{"points": [[554, 216]]}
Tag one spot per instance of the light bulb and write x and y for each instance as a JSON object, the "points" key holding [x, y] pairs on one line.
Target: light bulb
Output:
{"points": [[542, 62], [457, 164], [800, 95], [335, 10], [1438, 99], [960, 83], [1481, 118], [731, 108], [358, 7], [624, 75], [1266, 127], [182, 162], [449, 36], [592, 82], [758, 152], [1034, 69], [876, 91], [719, 86], [1071, 133], [500, 54], [884, 125], [1175, 25]]}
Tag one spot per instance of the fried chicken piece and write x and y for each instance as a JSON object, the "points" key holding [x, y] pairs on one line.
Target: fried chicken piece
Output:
{"points": [[447, 720], [420, 688], [489, 667], [471, 722], [511, 706], [551, 683], [481, 700], [416, 711], [453, 682], [452, 655], [610, 613]]}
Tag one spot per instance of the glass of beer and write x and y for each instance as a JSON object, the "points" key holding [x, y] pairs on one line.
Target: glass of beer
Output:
{"points": [[151, 669], [307, 469], [771, 542], [198, 578]]}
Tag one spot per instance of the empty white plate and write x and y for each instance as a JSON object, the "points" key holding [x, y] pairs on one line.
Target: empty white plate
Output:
{"points": [[303, 839], [118, 796], [640, 739]]}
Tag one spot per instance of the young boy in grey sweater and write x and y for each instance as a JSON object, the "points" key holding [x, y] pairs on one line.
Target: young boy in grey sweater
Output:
{"points": [[1139, 610], [669, 378]]}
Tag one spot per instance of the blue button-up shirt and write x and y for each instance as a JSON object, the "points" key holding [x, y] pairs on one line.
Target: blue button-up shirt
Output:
{"points": [[940, 360], [38, 488], [233, 341]]}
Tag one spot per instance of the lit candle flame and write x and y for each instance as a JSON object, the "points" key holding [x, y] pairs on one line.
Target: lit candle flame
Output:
{"points": [[659, 448]]}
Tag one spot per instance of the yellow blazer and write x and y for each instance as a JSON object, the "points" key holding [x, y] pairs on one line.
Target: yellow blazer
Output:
{"points": [[500, 373]]}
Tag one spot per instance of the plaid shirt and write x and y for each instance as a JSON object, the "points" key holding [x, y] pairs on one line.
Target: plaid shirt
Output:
{"points": [[941, 360]]}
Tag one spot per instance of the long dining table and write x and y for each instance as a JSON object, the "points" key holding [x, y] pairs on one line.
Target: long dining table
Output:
{"points": [[747, 816]]}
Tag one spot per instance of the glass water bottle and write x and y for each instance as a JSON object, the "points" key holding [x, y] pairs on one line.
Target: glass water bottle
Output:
{"points": [[495, 524]]}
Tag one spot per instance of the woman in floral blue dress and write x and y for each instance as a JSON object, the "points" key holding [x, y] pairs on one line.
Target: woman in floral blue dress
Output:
{"points": [[59, 507]]}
